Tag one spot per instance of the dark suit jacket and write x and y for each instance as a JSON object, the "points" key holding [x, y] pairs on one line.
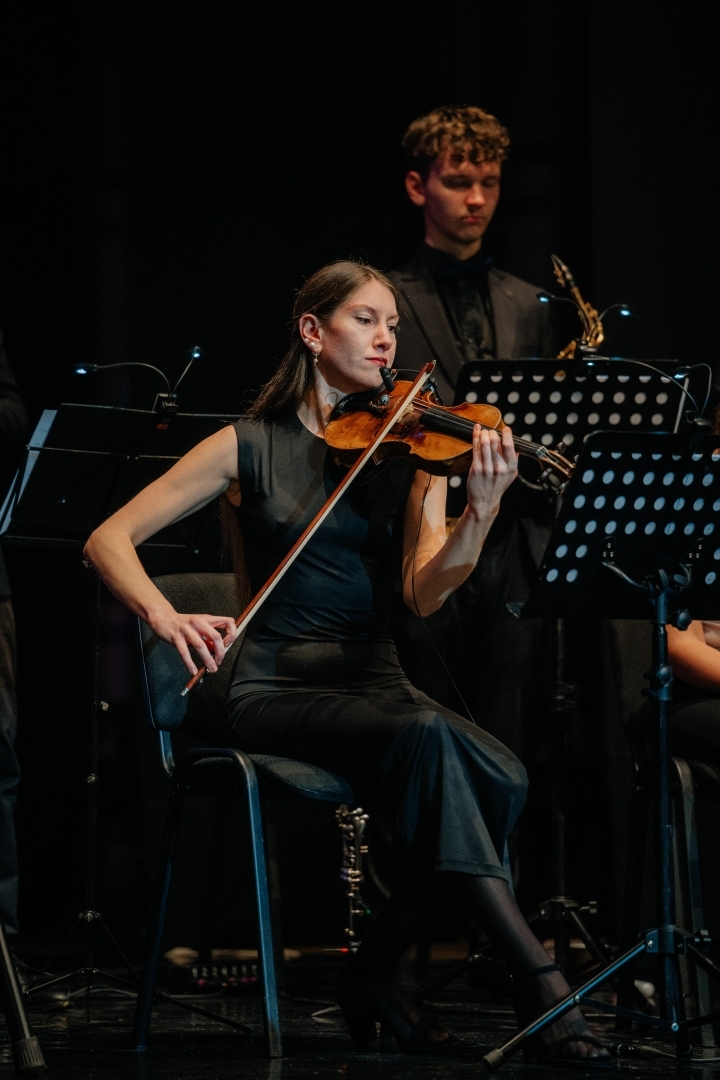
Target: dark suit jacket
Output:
{"points": [[522, 324]]}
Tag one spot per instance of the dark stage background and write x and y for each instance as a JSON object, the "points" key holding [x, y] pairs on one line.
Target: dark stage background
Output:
{"points": [[170, 175]]}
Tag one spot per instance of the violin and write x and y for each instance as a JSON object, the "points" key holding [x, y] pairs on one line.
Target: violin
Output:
{"points": [[437, 437]]}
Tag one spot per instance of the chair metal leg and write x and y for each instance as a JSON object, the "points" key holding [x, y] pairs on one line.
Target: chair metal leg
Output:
{"points": [[265, 935], [272, 846], [692, 886], [148, 978]]}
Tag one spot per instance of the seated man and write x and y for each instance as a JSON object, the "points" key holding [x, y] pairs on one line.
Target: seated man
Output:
{"points": [[456, 308]]}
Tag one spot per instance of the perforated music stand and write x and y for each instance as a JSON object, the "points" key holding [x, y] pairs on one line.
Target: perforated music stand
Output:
{"points": [[82, 463], [557, 404], [639, 530], [552, 401]]}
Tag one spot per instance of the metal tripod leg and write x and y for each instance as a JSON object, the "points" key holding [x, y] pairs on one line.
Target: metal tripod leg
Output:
{"points": [[26, 1052], [495, 1058], [667, 942]]}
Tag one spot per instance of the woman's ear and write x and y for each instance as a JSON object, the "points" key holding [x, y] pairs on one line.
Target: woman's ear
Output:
{"points": [[309, 327]]}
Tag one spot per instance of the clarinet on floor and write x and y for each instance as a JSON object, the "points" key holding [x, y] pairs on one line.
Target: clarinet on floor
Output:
{"points": [[352, 825]]}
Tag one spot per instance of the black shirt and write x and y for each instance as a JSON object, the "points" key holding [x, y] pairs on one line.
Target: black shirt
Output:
{"points": [[463, 288], [330, 616]]}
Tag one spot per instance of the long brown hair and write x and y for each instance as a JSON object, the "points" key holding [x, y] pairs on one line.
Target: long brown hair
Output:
{"points": [[321, 295]]}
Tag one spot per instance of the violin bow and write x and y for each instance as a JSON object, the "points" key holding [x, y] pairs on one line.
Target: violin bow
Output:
{"points": [[259, 599]]}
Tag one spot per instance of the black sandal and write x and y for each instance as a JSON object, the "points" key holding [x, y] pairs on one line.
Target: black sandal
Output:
{"points": [[363, 1003], [536, 1053]]}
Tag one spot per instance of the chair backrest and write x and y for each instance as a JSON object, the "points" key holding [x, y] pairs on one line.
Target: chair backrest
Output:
{"points": [[630, 654], [202, 711]]}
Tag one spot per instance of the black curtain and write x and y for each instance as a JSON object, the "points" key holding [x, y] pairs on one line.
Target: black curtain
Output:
{"points": [[169, 176]]}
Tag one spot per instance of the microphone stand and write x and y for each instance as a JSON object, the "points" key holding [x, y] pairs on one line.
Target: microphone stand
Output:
{"points": [[561, 911], [165, 408]]}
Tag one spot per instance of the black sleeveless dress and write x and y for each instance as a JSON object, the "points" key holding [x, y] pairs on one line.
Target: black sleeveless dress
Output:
{"points": [[317, 677]]}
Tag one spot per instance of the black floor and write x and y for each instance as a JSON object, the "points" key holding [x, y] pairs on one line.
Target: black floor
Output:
{"points": [[184, 1046]]}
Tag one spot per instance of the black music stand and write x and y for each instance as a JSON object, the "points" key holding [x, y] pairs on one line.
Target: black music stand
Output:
{"points": [[558, 400], [82, 463], [558, 403], [639, 529]]}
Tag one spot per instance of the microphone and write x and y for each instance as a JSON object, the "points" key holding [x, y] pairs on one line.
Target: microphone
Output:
{"points": [[386, 376], [166, 401], [93, 369]]}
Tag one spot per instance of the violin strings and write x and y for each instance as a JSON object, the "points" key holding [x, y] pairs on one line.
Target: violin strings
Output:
{"points": [[463, 425]]}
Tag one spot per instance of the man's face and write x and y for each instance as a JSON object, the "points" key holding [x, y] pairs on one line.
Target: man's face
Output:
{"points": [[458, 201]]}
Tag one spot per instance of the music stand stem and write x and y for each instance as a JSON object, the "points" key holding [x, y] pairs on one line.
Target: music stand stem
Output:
{"points": [[561, 911], [660, 691], [561, 705], [90, 916], [93, 796]]}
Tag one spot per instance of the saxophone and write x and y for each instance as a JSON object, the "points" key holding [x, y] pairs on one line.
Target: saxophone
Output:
{"points": [[593, 334]]}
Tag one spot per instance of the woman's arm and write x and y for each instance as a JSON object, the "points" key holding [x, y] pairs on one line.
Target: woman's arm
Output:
{"points": [[439, 564], [692, 659], [197, 479]]}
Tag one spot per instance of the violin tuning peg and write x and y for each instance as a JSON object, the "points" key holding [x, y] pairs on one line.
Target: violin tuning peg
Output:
{"points": [[561, 447]]}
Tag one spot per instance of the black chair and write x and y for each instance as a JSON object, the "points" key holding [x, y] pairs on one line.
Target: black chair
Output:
{"points": [[217, 771], [629, 654]]}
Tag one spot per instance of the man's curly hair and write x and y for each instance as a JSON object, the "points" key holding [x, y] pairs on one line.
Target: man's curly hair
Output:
{"points": [[473, 135]]}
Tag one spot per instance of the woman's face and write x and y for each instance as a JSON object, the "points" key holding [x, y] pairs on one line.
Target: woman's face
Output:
{"points": [[357, 340]]}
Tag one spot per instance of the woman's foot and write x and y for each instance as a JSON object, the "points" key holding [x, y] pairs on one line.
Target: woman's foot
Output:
{"points": [[365, 998], [569, 1040]]}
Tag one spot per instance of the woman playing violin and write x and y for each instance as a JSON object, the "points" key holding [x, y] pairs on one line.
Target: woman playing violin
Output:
{"points": [[317, 676]]}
